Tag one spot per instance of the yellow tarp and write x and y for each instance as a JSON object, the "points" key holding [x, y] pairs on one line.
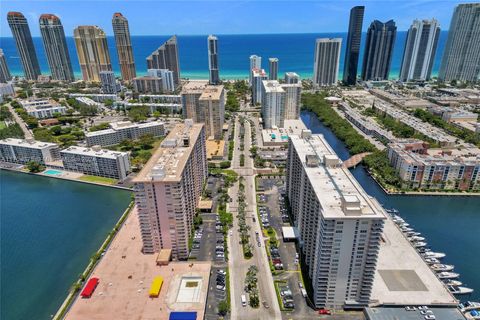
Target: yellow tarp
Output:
{"points": [[156, 287]]}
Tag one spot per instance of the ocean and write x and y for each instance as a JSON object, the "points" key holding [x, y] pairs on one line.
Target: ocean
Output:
{"points": [[294, 51], [49, 229]]}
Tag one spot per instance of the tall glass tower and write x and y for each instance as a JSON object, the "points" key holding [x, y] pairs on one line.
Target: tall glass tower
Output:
{"points": [[353, 45]]}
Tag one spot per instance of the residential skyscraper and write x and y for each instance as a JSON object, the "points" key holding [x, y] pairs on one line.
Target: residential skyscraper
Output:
{"points": [[212, 106], [258, 75], [168, 83], [293, 93], [213, 59], [327, 59], [378, 50], [273, 104], [55, 46], [92, 51], [166, 57], [420, 48], [339, 224], [168, 189], [291, 77], [461, 57], [4, 71], [25, 48], [109, 83], [273, 69], [124, 46], [352, 51], [255, 63]]}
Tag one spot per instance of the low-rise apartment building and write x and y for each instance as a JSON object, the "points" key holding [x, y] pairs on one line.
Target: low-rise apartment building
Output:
{"points": [[43, 108], [424, 168], [23, 151], [96, 161], [123, 130], [168, 189], [339, 224]]}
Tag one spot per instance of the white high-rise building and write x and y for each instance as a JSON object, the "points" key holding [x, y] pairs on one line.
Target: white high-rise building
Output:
{"points": [[168, 83], [327, 59], [124, 130], [293, 92], [339, 224], [255, 63], [258, 75], [22, 151], [420, 48], [212, 106], [273, 104], [168, 189], [461, 56], [291, 77]]}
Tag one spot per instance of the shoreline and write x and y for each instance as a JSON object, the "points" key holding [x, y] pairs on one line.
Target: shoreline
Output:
{"points": [[39, 174]]}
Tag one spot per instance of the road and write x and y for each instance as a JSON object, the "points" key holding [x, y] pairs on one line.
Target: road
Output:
{"points": [[238, 265], [20, 122]]}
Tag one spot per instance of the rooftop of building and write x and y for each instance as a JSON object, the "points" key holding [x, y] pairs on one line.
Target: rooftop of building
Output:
{"points": [[386, 313], [402, 277], [115, 126], [212, 92], [259, 73], [94, 151], [126, 274], [194, 86], [272, 86], [339, 193], [215, 148], [280, 135], [28, 143], [168, 161]]}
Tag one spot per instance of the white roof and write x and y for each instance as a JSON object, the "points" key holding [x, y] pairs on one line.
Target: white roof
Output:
{"points": [[289, 233], [27, 143], [94, 152]]}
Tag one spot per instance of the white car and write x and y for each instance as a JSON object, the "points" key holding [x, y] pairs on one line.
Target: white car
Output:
{"points": [[430, 317], [407, 308], [426, 312]]}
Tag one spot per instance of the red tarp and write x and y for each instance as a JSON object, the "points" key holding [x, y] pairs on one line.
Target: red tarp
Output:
{"points": [[89, 288]]}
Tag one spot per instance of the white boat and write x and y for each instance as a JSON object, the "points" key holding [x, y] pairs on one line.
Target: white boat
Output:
{"points": [[432, 260], [436, 255], [469, 305], [441, 267], [419, 244], [472, 314], [459, 290], [405, 229], [448, 275], [451, 282], [416, 238]]}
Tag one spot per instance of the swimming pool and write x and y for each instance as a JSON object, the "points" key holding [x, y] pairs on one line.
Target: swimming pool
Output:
{"points": [[53, 172]]}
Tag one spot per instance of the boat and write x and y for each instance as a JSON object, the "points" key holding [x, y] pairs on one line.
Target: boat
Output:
{"points": [[416, 238], [448, 275], [432, 260], [451, 282], [441, 267], [473, 314], [469, 305], [419, 244], [393, 211], [436, 255], [459, 290], [406, 229], [423, 250]]}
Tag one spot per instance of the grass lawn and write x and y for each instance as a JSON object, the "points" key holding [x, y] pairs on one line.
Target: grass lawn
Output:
{"points": [[95, 179]]}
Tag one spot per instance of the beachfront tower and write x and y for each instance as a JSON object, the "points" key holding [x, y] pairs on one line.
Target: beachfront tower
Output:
{"points": [[25, 48], [55, 44], [255, 63], [461, 58], [327, 59], [5, 75], [166, 57], [124, 46], [92, 51], [273, 69], [419, 52], [378, 50], [353, 45], [214, 76]]}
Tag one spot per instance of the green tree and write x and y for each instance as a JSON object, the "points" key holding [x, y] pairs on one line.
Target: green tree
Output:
{"points": [[139, 113], [223, 307], [35, 167]]}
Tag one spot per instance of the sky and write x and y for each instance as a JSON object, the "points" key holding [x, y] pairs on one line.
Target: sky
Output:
{"points": [[159, 17]]}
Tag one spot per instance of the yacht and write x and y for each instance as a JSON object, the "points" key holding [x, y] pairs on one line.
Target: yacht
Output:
{"points": [[432, 260], [469, 305], [436, 255], [419, 244], [416, 238], [451, 282], [448, 275], [441, 267], [405, 229], [473, 314], [459, 290]]}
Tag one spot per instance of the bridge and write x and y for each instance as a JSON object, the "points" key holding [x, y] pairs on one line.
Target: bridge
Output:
{"points": [[355, 160]]}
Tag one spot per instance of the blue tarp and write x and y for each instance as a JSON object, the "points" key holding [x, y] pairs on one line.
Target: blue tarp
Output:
{"points": [[474, 313], [183, 315]]}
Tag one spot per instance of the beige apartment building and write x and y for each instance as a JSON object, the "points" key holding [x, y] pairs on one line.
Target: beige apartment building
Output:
{"points": [[168, 189], [92, 51]]}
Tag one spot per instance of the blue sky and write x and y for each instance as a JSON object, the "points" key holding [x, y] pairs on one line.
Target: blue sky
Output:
{"points": [[226, 17]]}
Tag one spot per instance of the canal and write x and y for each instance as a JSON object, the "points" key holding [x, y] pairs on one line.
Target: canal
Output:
{"points": [[450, 224]]}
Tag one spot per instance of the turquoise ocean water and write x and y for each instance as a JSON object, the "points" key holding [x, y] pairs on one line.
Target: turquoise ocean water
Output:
{"points": [[295, 52], [49, 228]]}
